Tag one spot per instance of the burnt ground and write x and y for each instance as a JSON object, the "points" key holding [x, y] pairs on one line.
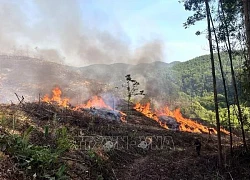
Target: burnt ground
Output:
{"points": [[171, 155]]}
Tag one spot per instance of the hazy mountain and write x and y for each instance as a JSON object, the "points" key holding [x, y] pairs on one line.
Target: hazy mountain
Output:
{"points": [[166, 83], [28, 77]]}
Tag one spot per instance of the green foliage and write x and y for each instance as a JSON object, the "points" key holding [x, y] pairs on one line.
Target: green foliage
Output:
{"points": [[195, 110], [196, 77], [26, 135], [98, 162], [60, 173], [63, 140], [207, 101], [196, 86], [244, 79], [199, 11], [230, 18], [3, 121], [95, 157], [234, 117], [46, 131], [39, 161], [13, 122]]}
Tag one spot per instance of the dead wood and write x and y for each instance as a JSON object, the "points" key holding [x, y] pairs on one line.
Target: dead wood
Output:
{"points": [[20, 100]]}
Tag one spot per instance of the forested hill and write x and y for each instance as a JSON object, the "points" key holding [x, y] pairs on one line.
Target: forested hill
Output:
{"points": [[195, 77]]}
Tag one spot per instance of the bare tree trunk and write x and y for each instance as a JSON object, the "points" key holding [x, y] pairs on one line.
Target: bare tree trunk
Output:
{"points": [[246, 14], [129, 97], [224, 86], [246, 8], [233, 78], [214, 85]]}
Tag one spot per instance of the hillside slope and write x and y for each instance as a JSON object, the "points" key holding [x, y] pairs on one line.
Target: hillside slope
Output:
{"points": [[28, 77], [164, 83], [171, 154]]}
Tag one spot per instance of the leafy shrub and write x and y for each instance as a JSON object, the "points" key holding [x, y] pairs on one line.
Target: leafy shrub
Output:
{"points": [[64, 141], [37, 161]]}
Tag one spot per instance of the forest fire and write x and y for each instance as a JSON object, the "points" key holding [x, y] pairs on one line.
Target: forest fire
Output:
{"points": [[56, 97], [96, 106], [166, 118], [184, 124], [147, 112], [96, 102]]}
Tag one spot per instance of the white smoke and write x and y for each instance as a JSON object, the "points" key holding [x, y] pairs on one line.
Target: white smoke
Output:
{"points": [[56, 31]]}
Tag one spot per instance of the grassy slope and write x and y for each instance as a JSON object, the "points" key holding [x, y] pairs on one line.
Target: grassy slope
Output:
{"points": [[176, 159]]}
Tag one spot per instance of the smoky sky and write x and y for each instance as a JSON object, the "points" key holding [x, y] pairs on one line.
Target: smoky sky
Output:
{"points": [[56, 30]]}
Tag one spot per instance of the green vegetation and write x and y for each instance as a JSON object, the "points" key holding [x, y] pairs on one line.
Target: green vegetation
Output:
{"points": [[194, 81], [63, 140], [195, 78], [38, 161]]}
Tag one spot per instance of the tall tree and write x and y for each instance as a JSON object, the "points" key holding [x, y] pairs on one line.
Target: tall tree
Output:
{"points": [[230, 25], [246, 74], [202, 10], [132, 90], [246, 8], [229, 50], [214, 84], [224, 86]]}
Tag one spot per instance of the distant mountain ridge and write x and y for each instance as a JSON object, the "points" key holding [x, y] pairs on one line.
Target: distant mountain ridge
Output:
{"points": [[161, 81], [29, 77]]}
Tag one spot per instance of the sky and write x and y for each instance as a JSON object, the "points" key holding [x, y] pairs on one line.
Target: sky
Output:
{"points": [[84, 32]]}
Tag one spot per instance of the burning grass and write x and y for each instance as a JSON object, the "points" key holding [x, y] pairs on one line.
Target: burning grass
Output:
{"points": [[95, 105], [177, 121], [164, 117], [56, 97]]}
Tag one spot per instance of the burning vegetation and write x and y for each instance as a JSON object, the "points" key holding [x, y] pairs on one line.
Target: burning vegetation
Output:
{"points": [[95, 106], [167, 119], [84, 139], [56, 98], [96, 102], [174, 119]]}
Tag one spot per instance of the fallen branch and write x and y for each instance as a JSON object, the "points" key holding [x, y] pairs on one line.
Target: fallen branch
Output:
{"points": [[20, 100]]}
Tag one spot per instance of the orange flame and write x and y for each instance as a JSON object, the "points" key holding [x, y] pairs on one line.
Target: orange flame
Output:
{"points": [[56, 98], [98, 102], [147, 112], [186, 124]]}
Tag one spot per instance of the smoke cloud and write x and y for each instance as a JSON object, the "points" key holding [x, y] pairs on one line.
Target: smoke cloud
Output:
{"points": [[57, 31]]}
